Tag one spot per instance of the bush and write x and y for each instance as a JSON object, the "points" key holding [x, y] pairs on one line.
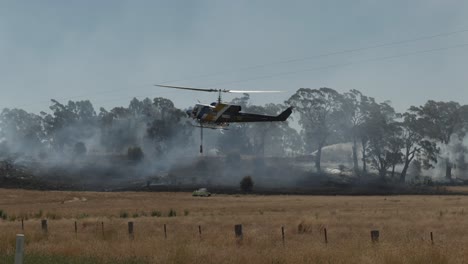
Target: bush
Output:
{"points": [[172, 213], [155, 213], [304, 227], [79, 149], [38, 214], [135, 153], [246, 184], [3, 214], [342, 168], [82, 216], [52, 216], [123, 214], [186, 212]]}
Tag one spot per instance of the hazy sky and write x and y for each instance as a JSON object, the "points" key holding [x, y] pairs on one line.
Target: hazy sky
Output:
{"points": [[111, 51]]}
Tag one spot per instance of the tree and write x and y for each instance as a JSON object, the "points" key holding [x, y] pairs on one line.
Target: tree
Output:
{"points": [[272, 138], [21, 131], [414, 144], [246, 184], [440, 121], [69, 123], [258, 133], [237, 138], [156, 124], [357, 107], [165, 123], [384, 139], [321, 115], [120, 128]]}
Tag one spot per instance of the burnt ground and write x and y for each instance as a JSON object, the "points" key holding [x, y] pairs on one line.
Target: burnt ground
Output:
{"points": [[115, 178]]}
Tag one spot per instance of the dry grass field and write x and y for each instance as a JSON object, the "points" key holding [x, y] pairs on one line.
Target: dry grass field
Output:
{"points": [[404, 222]]}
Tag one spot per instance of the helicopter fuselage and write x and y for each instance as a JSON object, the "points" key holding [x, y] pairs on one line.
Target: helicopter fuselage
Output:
{"points": [[221, 114]]}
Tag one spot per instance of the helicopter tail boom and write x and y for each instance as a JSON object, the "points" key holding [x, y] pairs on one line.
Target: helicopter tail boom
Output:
{"points": [[246, 117]]}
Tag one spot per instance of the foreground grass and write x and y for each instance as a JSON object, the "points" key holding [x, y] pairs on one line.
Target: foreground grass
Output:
{"points": [[404, 222], [57, 259]]}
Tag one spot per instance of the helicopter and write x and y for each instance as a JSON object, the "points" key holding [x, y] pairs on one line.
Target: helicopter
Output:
{"points": [[219, 115]]}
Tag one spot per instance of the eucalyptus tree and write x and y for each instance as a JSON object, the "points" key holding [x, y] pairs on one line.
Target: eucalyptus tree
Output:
{"points": [[321, 116], [357, 110], [21, 131], [384, 134], [272, 138], [440, 121], [69, 123], [415, 145]]}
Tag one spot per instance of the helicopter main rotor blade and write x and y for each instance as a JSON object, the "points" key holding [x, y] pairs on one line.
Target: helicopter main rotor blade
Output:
{"points": [[214, 90], [188, 88], [241, 91]]}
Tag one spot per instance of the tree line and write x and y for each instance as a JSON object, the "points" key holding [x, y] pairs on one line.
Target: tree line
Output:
{"points": [[385, 137], [381, 138]]}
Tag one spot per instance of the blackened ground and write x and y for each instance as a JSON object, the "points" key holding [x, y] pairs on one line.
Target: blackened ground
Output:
{"points": [[121, 177]]}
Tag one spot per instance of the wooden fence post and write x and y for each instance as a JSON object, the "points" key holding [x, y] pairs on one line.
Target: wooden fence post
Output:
{"points": [[282, 234], [432, 239], [22, 224], [325, 235], [165, 232], [44, 226], [102, 227], [199, 231], [19, 253], [238, 232], [76, 229], [130, 230], [374, 236]]}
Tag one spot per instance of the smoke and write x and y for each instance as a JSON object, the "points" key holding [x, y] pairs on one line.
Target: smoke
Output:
{"points": [[151, 142], [74, 144], [454, 153], [71, 144]]}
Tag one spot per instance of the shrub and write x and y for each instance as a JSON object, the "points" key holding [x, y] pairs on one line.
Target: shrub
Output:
{"points": [[135, 153], [172, 213], [3, 214], [79, 149], [82, 216], [38, 214], [135, 215], [155, 213], [342, 168], [186, 212], [304, 227], [246, 184], [123, 214], [52, 216]]}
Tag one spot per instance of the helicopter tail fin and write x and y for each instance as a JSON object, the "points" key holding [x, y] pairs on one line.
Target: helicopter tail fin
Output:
{"points": [[285, 114]]}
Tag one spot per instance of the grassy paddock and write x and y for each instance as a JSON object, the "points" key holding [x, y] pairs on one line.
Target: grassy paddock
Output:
{"points": [[404, 222]]}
